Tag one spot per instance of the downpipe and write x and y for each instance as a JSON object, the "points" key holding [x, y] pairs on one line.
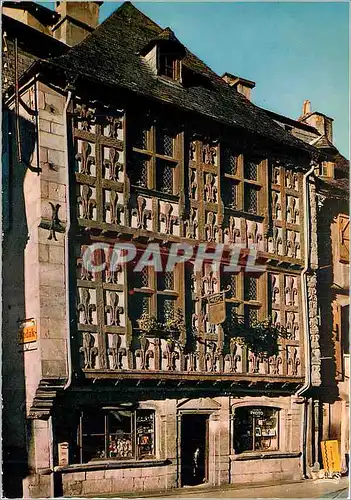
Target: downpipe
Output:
{"points": [[67, 248], [307, 340], [53, 485]]}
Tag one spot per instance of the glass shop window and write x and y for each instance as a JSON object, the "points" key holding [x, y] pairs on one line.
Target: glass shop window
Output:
{"points": [[256, 429], [116, 434]]}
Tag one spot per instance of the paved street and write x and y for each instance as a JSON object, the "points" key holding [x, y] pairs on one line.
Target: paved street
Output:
{"points": [[302, 489]]}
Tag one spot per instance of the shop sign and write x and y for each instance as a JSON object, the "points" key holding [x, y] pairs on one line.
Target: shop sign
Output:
{"points": [[331, 455], [27, 332], [216, 308], [256, 412]]}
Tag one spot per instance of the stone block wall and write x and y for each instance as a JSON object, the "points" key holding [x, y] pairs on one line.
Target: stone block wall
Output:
{"points": [[265, 470], [119, 480]]}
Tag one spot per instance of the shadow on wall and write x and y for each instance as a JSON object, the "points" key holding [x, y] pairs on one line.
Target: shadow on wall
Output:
{"points": [[15, 238], [326, 296]]}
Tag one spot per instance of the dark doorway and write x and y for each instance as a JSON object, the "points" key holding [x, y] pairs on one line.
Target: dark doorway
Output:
{"points": [[194, 445]]}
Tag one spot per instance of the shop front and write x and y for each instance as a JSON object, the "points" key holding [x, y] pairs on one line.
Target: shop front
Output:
{"points": [[161, 445]]}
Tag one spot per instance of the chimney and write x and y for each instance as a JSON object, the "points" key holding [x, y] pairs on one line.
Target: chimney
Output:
{"points": [[77, 20], [240, 84], [306, 108], [323, 123]]}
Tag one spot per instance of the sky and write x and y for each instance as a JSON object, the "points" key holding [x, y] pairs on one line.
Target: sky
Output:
{"points": [[293, 50]]}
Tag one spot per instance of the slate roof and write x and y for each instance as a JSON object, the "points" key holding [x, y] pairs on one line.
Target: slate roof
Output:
{"points": [[323, 142], [111, 55], [32, 45], [290, 121]]}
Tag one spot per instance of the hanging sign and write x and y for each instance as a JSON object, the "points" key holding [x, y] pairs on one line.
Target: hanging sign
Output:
{"points": [[331, 455], [216, 308], [27, 332]]}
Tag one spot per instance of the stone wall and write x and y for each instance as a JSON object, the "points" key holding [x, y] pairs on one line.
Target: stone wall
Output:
{"points": [[224, 466]]}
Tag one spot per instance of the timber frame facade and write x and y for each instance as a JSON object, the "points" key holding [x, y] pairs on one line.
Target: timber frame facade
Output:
{"points": [[118, 151]]}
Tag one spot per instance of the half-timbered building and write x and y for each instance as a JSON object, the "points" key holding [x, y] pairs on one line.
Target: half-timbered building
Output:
{"points": [[129, 138]]}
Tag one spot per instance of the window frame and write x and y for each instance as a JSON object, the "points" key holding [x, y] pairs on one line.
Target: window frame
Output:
{"points": [[154, 292], [104, 412], [240, 301], [276, 413], [241, 181], [175, 62], [151, 155]]}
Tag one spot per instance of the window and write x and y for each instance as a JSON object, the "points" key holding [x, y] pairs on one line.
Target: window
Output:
{"points": [[327, 169], [250, 288], [116, 434], [256, 429], [138, 170], [251, 170], [165, 142], [230, 162], [169, 65], [140, 294], [344, 238], [251, 185], [165, 308], [153, 162], [244, 299], [164, 176], [251, 199], [242, 181], [152, 293], [230, 193]]}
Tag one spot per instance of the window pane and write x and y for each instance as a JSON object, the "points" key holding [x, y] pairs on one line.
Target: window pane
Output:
{"points": [[164, 142], [167, 65], [243, 435], [255, 429], [93, 435], [230, 162], [93, 422], [251, 288], [165, 281], [164, 176], [232, 316], [93, 448], [120, 435], [139, 304], [230, 279], [138, 170], [250, 170], [230, 193], [145, 433], [251, 316], [139, 279], [140, 137], [165, 308], [250, 201]]}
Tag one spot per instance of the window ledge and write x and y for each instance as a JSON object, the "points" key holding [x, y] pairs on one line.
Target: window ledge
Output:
{"points": [[265, 454], [112, 465]]}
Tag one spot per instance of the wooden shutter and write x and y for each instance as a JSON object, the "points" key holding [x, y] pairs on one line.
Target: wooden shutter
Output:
{"points": [[344, 238]]}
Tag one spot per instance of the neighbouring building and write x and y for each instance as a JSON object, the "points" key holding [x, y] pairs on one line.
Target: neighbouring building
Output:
{"points": [[129, 137], [330, 401]]}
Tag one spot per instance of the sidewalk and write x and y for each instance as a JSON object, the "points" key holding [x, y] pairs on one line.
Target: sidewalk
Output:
{"points": [[320, 488]]}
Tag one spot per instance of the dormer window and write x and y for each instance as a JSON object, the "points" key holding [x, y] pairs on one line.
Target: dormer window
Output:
{"points": [[164, 54], [169, 65]]}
